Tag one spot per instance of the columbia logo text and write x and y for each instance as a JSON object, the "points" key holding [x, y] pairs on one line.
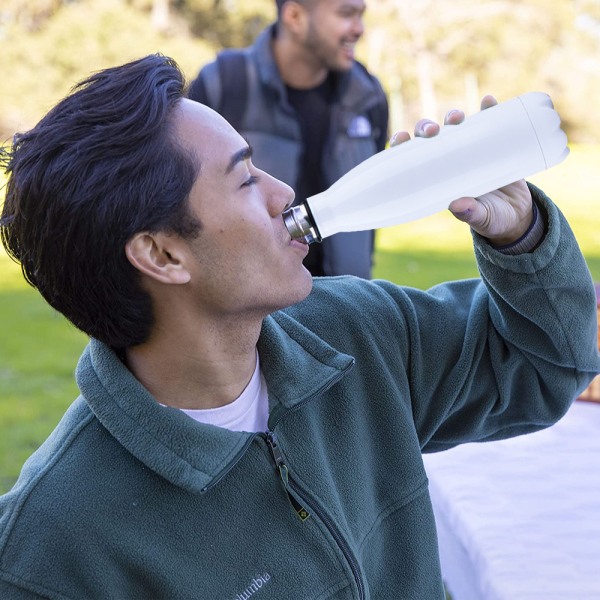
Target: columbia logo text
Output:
{"points": [[255, 586]]}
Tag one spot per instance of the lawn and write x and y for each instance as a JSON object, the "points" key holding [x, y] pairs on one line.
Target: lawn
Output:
{"points": [[39, 349]]}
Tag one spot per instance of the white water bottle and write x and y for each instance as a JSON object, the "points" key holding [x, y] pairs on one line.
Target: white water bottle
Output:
{"points": [[490, 149]]}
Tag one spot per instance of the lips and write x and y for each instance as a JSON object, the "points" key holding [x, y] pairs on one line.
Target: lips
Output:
{"points": [[300, 245]]}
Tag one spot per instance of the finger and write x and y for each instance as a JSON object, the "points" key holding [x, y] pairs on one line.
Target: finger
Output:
{"points": [[454, 117], [426, 128], [468, 210], [488, 101], [399, 137]]}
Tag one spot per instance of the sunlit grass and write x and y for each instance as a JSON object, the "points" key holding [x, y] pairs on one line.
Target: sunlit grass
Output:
{"points": [[38, 353]]}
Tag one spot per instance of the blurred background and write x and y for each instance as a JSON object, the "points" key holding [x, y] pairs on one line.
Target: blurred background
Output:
{"points": [[430, 55]]}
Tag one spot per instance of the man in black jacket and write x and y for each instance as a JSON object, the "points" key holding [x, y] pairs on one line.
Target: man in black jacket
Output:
{"points": [[310, 111]]}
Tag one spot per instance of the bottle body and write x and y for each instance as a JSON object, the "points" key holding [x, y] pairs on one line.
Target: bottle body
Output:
{"points": [[495, 147]]}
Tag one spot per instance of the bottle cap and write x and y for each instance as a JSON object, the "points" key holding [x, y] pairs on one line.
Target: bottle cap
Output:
{"points": [[546, 123], [299, 224]]}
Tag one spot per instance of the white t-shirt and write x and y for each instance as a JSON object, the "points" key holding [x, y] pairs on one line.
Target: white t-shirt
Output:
{"points": [[249, 412]]}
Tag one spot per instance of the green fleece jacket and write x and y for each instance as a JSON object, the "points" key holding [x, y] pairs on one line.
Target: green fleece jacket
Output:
{"points": [[128, 499]]}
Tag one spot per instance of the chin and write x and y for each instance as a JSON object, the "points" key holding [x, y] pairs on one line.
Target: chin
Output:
{"points": [[302, 290], [305, 284], [342, 66]]}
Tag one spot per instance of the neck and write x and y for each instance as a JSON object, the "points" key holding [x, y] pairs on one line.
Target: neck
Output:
{"points": [[201, 367], [297, 67]]}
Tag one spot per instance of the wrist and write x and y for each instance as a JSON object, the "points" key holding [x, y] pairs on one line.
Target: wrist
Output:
{"points": [[530, 240]]}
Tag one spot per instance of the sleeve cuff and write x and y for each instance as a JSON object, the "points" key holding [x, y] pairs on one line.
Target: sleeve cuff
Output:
{"points": [[531, 239]]}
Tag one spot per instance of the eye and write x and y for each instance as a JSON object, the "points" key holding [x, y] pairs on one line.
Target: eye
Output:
{"points": [[250, 181]]}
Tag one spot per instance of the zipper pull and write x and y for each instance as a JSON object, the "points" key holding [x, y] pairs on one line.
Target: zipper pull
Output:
{"points": [[283, 473], [275, 450]]}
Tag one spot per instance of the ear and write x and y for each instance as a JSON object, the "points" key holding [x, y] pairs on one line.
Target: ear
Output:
{"points": [[294, 16], [159, 256]]}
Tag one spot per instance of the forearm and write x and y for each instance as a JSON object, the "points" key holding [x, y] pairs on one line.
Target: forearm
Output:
{"points": [[543, 303], [522, 342]]}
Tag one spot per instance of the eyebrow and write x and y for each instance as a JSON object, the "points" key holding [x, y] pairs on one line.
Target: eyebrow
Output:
{"points": [[237, 157]]}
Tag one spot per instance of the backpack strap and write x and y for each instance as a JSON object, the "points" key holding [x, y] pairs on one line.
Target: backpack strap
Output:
{"points": [[232, 72]]}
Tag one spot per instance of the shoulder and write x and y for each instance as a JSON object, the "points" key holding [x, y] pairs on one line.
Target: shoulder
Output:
{"points": [[40, 470], [352, 303], [203, 88], [226, 72], [223, 73], [366, 78]]}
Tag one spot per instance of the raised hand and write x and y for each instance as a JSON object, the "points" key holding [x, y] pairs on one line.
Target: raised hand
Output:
{"points": [[503, 215]]}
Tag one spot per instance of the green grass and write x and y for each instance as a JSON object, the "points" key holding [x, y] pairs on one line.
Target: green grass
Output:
{"points": [[39, 349], [38, 353]]}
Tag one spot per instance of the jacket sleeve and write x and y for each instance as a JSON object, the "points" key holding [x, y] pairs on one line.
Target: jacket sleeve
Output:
{"points": [[14, 592], [504, 355]]}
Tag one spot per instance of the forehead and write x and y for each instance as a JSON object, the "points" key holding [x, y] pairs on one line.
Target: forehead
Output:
{"points": [[205, 133], [338, 5]]}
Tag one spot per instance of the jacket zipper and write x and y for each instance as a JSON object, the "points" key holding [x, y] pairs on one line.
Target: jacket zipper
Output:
{"points": [[241, 453], [304, 513]]}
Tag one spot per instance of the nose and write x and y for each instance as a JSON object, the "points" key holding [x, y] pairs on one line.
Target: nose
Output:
{"points": [[358, 26], [280, 196]]}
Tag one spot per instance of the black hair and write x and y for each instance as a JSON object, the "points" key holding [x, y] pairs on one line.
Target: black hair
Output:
{"points": [[102, 165], [279, 4]]}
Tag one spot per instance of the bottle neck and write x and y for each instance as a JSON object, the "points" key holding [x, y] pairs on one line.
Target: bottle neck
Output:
{"points": [[300, 224]]}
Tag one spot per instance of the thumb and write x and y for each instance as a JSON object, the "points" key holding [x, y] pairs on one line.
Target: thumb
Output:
{"points": [[470, 211]]}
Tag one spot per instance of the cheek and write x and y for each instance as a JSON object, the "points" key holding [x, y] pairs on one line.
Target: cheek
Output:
{"points": [[254, 223], [242, 247]]}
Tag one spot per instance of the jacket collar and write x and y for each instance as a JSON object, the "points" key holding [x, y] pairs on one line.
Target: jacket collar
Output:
{"points": [[296, 363]]}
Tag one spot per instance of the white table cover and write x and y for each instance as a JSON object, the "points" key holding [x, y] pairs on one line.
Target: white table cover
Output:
{"points": [[519, 519]]}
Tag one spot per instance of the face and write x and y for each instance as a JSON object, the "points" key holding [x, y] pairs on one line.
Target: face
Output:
{"points": [[243, 260], [333, 29]]}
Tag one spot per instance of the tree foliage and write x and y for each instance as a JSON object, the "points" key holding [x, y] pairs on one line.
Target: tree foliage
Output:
{"points": [[228, 23], [47, 52], [434, 55], [431, 55]]}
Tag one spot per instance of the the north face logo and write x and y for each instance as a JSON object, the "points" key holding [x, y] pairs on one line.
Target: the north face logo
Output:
{"points": [[359, 127]]}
